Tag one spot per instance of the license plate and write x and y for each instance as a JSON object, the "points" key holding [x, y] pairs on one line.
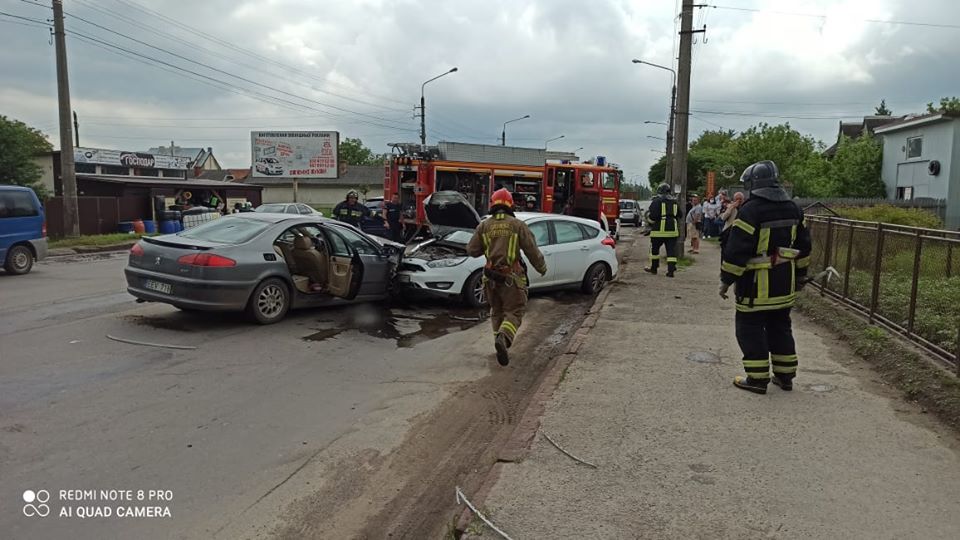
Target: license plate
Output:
{"points": [[403, 278], [164, 288]]}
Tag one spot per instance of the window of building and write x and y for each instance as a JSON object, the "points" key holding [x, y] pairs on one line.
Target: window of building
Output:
{"points": [[904, 193], [86, 168], [147, 172], [914, 147], [172, 174], [110, 169]]}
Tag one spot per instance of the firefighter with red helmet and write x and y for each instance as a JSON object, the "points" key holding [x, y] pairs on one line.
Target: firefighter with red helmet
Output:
{"points": [[501, 238]]}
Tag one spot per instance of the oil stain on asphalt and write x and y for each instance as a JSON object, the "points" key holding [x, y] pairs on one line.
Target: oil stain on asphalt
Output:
{"points": [[407, 327]]}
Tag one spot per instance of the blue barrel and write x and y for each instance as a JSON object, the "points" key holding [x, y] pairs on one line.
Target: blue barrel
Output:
{"points": [[178, 226], [125, 227], [168, 227], [149, 226]]}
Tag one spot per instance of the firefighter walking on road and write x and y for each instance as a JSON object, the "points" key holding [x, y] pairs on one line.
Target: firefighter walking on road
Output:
{"points": [[663, 218], [500, 238], [766, 256]]}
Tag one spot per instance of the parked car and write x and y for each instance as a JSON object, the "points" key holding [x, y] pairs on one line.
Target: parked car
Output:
{"points": [[269, 165], [374, 224], [23, 229], [259, 262], [288, 208], [578, 253], [630, 212]]}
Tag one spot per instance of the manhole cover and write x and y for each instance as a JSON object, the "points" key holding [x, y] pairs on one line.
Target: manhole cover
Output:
{"points": [[703, 357], [820, 388]]}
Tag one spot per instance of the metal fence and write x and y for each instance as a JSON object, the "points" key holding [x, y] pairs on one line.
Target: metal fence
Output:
{"points": [[935, 206], [904, 278]]}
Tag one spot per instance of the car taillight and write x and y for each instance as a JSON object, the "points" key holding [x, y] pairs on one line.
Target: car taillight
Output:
{"points": [[206, 259], [137, 250], [609, 241], [43, 229]]}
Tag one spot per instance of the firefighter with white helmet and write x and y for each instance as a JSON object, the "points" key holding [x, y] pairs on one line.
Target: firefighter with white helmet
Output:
{"points": [[350, 210]]}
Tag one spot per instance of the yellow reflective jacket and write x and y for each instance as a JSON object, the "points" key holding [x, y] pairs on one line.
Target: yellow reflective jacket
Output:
{"points": [[500, 238]]}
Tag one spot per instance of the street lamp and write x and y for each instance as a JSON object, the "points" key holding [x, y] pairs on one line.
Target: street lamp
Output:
{"points": [[548, 141], [654, 122], [673, 113], [503, 134], [423, 110], [657, 138], [577, 150]]}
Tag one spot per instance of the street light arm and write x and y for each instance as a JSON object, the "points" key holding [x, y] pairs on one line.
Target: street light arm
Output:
{"points": [[435, 78]]}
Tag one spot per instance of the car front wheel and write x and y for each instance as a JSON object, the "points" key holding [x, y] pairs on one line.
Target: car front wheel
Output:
{"points": [[595, 279], [474, 294], [269, 302], [19, 260]]}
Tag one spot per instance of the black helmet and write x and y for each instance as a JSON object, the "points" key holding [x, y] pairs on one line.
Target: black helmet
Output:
{"points": [[762, 174], [663, 189]]}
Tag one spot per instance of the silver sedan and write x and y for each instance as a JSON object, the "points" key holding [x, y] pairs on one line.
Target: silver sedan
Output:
{"points": [[264, 264]]}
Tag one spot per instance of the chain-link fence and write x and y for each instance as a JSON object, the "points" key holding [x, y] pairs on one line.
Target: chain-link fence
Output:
{"points": [[905, 278]]}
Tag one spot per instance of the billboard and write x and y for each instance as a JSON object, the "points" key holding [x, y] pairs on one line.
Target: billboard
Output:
{"points": [[294, 154], [125, 158]]}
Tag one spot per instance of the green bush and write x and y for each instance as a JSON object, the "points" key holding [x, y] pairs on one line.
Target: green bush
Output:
{"points": [[885, 213]]}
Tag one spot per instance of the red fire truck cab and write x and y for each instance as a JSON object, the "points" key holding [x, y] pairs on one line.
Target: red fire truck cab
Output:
{"points": [[560, 186]]}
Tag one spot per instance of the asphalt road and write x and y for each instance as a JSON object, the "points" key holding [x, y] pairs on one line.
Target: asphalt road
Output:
{"points": [[239, 433]]}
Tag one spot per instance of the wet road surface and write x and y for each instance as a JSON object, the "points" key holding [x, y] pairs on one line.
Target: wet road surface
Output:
{"points": [[250, 431]]}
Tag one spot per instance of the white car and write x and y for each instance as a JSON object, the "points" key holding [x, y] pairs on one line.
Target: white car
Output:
{"points": [[288, 208], [269, 165], [578, 253], [630, 212]]}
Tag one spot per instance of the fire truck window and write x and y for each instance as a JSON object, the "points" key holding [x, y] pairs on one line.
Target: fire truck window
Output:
{"points": [[609, 180], [586, 179]]}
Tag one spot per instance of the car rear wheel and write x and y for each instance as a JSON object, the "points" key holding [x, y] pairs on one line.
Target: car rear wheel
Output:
{"points": [[19, 260], [474, 294], [595, 279], [269, 302]]}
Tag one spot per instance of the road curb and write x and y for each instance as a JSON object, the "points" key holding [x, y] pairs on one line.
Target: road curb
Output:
{"points": [[519, 442]]}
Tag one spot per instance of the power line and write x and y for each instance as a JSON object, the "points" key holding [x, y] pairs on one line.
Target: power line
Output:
{"points": [[816, 16], [227, 73], [766, 115], [226, 44], [244, 90]]}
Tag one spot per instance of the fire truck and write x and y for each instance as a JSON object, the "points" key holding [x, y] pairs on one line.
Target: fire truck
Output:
{"points": [[541, 181]]}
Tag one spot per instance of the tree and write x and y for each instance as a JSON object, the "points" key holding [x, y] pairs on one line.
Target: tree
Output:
{"points": [[882, 110], [949, 105], [353, 152], [19, 145], [855, 168], [658, 172]]}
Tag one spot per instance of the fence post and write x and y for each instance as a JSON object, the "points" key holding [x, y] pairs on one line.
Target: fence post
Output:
{"points": [[846, 271], [913, 286], [949, 259], [874, 296], [828, 250]]}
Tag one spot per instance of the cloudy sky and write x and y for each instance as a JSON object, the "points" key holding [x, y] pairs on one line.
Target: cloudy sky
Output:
{"points": [[206, 73]]}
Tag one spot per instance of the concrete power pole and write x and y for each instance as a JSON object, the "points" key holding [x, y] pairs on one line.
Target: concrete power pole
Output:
{"points": [[682, 111], [68, 173]]}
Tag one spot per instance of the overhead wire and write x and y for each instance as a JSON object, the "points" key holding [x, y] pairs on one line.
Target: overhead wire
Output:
{"points": [[824, 16]]}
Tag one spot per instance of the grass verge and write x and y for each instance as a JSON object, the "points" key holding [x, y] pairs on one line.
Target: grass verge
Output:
{"points": [[95, 240], [899, 364]]}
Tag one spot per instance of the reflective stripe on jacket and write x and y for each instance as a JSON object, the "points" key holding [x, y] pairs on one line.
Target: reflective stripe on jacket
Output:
{"points": [[662, 217]]}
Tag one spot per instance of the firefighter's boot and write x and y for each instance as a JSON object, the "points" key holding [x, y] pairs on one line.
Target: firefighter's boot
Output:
{"points": [[671, 268], [502, 343], [785, 382], [757, 386], [652, 269]]}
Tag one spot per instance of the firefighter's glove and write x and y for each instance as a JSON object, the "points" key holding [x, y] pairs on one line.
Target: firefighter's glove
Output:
{"points": [[724, 287]]}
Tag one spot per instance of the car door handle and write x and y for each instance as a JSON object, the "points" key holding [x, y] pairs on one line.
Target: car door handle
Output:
{"points": [[584, 248]]}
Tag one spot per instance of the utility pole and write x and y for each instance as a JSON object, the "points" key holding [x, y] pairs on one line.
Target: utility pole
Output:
{"points": [[682, 111], [76, 129], [68, 173], [423, 119], [673, 114]]}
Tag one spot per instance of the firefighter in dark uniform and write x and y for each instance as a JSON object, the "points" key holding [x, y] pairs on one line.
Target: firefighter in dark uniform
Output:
{"points": [[392, 217], [500, 238], [663, 218], [350, 210], [766, 257]]}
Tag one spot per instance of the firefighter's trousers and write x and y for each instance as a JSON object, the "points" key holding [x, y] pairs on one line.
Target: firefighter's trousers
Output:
{"points": [[766, 338], [668, 242], [508, 303]]}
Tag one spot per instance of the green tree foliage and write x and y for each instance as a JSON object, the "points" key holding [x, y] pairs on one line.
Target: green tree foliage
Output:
{"points": [[353, 152], [950, 105], [657, 172], [19, 145], [882, 110], [855, 169]]}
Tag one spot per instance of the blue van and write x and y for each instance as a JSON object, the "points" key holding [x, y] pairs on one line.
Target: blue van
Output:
{"points": [[23, 229]]}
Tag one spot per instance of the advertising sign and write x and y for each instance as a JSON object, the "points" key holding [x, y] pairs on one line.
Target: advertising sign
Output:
{"points": [[127, 158], [711, 183], [295, 154]]}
